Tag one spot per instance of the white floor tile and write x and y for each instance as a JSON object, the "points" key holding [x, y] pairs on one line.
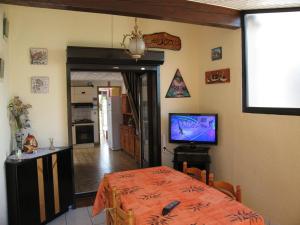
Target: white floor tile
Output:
{"points": [[79, 216], [99, 219]]}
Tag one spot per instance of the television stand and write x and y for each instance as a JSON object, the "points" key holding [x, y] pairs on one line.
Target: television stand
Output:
{"points": [[192, 147], [194, 155]]}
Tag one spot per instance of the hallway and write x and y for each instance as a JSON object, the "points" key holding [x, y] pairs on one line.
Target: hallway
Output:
{"points": [[90, 165]]}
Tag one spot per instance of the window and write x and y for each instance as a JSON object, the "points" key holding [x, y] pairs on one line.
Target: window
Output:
{"points": [[271, 62]]}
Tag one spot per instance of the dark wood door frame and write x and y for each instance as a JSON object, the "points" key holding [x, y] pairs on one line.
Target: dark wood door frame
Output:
{"points": [[116, 60]]}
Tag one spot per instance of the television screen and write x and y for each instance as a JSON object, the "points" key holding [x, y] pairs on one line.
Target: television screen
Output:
{"points": [[193, 128]]}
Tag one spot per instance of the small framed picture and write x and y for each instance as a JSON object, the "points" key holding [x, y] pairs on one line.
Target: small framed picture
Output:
{"points": [[216, 53], [39, 56], [39, 85], [5, 27]]}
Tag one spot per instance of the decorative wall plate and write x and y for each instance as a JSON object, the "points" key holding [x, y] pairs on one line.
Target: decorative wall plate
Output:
{"points": [[178, 87]]}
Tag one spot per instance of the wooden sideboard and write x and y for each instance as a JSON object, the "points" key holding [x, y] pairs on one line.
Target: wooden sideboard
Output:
{"points": [[39, 186], [125, 105], [130, 142], [137, 149]]}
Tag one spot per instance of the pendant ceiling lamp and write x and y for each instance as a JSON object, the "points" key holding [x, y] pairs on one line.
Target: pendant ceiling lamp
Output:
{"points": [[136, 46]]}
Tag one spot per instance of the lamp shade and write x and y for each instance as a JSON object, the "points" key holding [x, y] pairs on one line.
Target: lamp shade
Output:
{"points": [[136, 47]]}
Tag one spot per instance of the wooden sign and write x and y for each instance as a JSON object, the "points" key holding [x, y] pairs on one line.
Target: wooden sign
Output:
{"points": [[162, 40], [217, 76]]}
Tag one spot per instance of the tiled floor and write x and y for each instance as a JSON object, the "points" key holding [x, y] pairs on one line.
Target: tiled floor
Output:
{"points": [[79, 216], [90, 165]]}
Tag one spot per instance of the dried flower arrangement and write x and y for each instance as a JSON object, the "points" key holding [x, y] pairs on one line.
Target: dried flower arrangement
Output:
{"points": [[18, 114], [18, 118]]}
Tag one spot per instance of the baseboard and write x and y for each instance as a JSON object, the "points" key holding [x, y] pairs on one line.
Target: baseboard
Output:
{"points": [[85, 194], [89, 145], [84, 199]]}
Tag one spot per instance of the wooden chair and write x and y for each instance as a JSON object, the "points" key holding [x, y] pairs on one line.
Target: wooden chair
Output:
{"points": [[195, 172], [123, 217], [115, 215], [110, 202], [226, 188]]}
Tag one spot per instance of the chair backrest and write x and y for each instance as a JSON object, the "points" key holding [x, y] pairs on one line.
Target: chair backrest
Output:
{"points": [[115, 215], [195, 172], [226, 188], [110, 202], [123, 217], [110, 194]]}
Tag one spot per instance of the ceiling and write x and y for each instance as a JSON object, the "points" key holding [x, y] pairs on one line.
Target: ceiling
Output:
{"points": [[96, 76], [251, 4]]}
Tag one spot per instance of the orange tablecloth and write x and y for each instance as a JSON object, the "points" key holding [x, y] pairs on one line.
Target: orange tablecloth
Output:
{"points": [[147, 191]]}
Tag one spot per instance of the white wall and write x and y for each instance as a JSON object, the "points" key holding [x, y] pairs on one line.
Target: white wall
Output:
{"points": [[4, 124]]}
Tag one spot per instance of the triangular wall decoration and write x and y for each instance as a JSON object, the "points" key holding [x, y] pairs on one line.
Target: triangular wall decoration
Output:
{"points": [[178, 88]]}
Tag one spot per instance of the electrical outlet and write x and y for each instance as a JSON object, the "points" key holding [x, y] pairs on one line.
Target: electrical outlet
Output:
{"points": [[268, 222]]}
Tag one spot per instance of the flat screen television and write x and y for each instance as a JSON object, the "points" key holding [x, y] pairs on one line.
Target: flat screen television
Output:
{"points": [[193, 128]]}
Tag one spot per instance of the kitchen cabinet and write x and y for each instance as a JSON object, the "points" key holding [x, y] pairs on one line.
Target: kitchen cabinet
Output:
{"points": [[83, 94], [125, 105], [127, 139], [39, 186], [130, 142], [137, 149]]}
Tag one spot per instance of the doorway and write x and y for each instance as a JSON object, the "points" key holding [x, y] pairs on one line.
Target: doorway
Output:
{"points": [[102, 112], [115, 60], [108, 100], [97, 121]]}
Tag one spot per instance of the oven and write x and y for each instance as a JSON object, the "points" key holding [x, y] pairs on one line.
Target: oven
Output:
{"points": [[84, 133]]}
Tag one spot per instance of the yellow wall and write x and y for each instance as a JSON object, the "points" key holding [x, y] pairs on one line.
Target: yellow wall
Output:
{"points": [[55, 29], [257, 151], [260, 152], [4, 130]]}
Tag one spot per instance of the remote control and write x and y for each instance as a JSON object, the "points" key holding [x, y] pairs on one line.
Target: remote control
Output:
{"points": [[168, 208]]}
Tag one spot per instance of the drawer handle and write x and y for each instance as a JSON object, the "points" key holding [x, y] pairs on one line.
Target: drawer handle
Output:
{"points": [[83, 92]]}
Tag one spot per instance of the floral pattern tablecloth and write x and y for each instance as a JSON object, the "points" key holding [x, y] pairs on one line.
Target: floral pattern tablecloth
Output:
{"points": [[147, 191]]}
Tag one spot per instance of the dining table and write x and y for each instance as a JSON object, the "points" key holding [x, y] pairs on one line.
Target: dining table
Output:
{"points": [[147, 191]]}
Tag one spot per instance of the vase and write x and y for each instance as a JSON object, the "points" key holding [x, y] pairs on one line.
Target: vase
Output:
{"points": [[19, 143], [19, 140]]}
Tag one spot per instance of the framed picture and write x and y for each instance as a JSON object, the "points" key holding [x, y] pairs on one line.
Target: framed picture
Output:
{"points": [[39, 56], [216, 53], [1, 69], [5, 27], [217, 76], [40, 85]]}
